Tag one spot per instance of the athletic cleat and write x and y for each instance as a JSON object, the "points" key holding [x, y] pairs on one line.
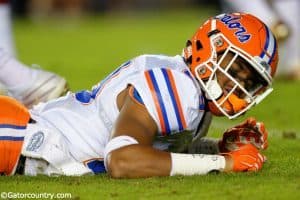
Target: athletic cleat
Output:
{"points": [[44, 87]]}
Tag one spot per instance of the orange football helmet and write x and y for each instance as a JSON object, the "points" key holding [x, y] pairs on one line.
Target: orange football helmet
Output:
{"points": [[240, 37]]}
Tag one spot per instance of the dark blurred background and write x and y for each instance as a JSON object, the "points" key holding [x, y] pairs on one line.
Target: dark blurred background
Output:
{"points": [[38, 8]]}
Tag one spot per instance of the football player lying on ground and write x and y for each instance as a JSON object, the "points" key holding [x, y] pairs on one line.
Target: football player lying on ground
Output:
{"points": [[135, 122]]}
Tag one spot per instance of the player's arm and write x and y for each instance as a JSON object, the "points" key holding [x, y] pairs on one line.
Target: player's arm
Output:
{"points": [[140, 159], [130, 154]]}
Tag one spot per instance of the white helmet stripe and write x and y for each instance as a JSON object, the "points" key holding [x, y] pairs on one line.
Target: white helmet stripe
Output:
{"points": [[270, 47], [274, 50]]}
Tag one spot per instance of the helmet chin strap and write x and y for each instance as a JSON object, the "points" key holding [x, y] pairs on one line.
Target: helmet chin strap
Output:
{"points": [[214, 90]]}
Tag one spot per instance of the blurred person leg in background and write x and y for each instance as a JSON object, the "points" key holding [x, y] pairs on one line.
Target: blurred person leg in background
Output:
{"points": [[6, 41], [282, 17], [26, 84]]}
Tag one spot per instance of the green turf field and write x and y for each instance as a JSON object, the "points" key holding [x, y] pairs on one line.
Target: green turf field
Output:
{"points": [[85, 50]]}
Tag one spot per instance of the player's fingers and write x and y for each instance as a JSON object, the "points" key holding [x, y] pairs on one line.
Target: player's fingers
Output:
{"points": [[261, 157], [265, 158], [260, 161], [245, 166], [250, 167], [249, 125], [254, 168], [246, 123], [265, 145], [251, 122], [261, 128]]}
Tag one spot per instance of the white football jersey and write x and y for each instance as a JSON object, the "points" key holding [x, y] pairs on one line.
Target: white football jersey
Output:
{"points": [[85, 119]]}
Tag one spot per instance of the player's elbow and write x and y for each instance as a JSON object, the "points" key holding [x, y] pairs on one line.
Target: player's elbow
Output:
{"points": [[118, 166]]}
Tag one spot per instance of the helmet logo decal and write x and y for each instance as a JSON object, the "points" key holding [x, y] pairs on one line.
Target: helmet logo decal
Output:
{"points": [[234, 23]]}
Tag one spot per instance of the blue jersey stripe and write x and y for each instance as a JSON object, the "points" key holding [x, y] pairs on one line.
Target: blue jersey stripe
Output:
{"points": [[201, 103], [137, 96], [175, 106], [160, 101], [12, 126], [188, 74], [11, 138], [97, 166]]}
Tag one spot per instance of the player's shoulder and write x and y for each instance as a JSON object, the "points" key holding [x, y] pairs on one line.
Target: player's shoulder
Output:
{"points": [[172, 98], [148, 61]]}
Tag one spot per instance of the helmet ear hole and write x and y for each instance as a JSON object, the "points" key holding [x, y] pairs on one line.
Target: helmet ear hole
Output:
{"points": [[198, 45]]}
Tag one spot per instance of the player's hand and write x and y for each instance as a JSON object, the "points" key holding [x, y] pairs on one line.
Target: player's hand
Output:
{"points": [[246, 158], [249, 132]]}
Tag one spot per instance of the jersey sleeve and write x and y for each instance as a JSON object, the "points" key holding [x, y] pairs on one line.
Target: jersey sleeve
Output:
{"points": [[171, 98]]}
